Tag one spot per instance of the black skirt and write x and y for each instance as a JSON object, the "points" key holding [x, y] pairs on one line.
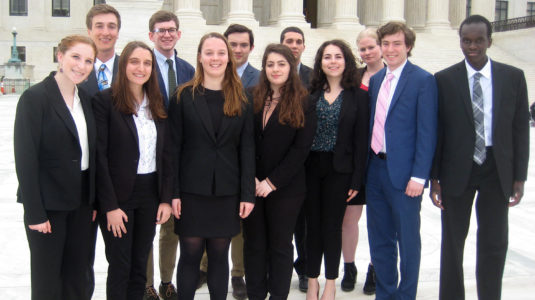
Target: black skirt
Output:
{"points": [[208, 216]]}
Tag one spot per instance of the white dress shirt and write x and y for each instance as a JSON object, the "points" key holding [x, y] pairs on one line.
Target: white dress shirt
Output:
{"points": [[77, 113], [146, 132], [486, 87], [164, 67], [109, 68]]}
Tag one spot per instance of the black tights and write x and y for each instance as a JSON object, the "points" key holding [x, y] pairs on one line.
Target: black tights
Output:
{"points": [[191, 250]]}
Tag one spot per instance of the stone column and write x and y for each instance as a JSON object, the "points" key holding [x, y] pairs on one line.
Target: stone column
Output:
{"points": [[345, 15], [457, 12], [416, 13], [325, 12], [241, 11], [485, 8], [393, 10], [274, 12], [189, 12], [371, 12], [437, 15], [291, 13]]}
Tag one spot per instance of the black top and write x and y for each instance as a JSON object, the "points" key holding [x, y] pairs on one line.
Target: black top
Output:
{"points": [[328, 117], [215, 100]]}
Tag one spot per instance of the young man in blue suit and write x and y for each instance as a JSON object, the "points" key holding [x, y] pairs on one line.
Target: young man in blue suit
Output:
{"points": [[403, 100], [241, 40], [172, 71]]}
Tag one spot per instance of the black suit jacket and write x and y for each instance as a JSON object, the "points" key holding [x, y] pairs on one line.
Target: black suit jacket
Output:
{"points": [[206, 165], [304, 74], [281, 150], [90, 85], [118, 154], [456, 132], [184, 73], [250, 76], [350, 150], [47, 151]]}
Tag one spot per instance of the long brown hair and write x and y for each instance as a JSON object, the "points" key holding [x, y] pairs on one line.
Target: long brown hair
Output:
{"points": [[293, 94], [122, 96], [235, 99]]}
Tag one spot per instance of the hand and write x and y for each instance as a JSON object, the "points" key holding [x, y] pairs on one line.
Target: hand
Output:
{"points": [[164, 211], [256, 181], [435, 194], [518, 192], [94, 217], [245, 209], [263, 189], [351, 194], [414, 189], [176, 207], [42, 228], [116, 219]]}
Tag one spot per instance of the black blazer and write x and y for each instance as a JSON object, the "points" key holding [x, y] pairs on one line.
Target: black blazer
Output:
{"points": [[281, 150], [47, 151], [304, 74], [350, 150], [90, 85], [456, 133], [206, 165], [118, 154]]}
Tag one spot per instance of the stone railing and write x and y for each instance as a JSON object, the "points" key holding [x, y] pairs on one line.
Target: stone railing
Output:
{"points": [[513, 24]]}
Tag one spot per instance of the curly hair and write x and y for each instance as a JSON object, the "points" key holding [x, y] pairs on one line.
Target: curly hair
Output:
{"points": [[350, 76]]}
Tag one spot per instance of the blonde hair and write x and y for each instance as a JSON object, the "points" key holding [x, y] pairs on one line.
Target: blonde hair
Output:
{"points": [[368, 32]]}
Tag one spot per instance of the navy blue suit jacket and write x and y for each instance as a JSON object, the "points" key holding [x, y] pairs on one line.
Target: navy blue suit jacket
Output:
{"points": [[250, 76], [411, 124], [184, 73]]}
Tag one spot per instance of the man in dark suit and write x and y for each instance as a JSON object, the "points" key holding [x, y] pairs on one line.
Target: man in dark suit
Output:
{"points": [[294, 38], [403, 103], [483, 147], [103, 24], [172, 71], [241, 40]]}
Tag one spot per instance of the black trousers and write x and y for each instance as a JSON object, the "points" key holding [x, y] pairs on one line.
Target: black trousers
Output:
{"points": [[268, 249], [492, 234], [127, 256], [325, 206], [300, 237]]}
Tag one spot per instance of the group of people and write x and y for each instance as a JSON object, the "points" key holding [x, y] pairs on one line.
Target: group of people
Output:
{"points": [[225, 155]]}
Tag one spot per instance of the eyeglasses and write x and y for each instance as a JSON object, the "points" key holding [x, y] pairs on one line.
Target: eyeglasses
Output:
{"points": [[162, 31]]}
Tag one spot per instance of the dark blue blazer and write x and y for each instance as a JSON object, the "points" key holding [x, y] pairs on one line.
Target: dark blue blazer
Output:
{"points": [[411, 124], [90, 85], [184, 73], [250, 76]]}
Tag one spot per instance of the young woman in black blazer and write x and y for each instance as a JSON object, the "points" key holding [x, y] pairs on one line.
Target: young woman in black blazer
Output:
{"points": [[285, 124], [134, 169], [212, 126], [54, 141], [336, 164]]}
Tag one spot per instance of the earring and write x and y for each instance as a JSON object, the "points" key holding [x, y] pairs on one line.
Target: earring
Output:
{"points": [[60, 67]]}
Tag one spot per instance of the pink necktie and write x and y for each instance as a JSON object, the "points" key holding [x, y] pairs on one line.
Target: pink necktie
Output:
{"points": [[380, 115]]}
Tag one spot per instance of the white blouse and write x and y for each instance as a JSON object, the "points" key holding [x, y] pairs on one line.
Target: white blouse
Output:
{"points": [[146, 132], [77, 113]]}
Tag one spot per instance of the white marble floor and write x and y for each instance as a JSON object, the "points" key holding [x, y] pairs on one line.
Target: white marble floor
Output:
{"points": [[518, 280]]}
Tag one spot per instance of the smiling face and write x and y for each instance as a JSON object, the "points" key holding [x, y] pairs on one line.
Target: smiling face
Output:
{"points": [[394, 49], [214, 57], [139, 67], [295, 42], [77, 62], [474, 44], [241, 46], [369, 51], [165, 41], [277, 70], [333, 62], [104, 32]]}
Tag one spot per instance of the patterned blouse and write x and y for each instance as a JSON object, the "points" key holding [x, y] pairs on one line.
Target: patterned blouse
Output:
{"points": [[146, 132], [327, 130]]}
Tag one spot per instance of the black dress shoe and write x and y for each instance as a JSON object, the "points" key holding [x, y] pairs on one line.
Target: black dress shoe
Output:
{"points": [[150, 293], [303, 283], [369, 285], [168, 291], [203, 277], [239, 291], [350, 277]]}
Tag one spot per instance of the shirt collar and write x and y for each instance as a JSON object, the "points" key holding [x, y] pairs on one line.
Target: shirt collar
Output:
{"points": [[162, 58], [398, 70], [109, 64], [485, 71], [242, 68]]}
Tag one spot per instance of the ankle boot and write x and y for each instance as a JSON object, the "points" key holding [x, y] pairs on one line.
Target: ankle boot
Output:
{"points": [[350, 277], [369, 285]]}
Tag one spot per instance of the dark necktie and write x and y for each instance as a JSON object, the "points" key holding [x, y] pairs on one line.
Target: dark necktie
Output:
{"points": [[171, 77], [477, 107], [102, 78]]}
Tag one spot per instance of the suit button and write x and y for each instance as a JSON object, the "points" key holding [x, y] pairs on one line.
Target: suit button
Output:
{"points": [[74, 160], [258, 157]]}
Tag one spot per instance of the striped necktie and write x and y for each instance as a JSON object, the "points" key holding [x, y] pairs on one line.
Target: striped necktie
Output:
{"points": [[477, 107]]}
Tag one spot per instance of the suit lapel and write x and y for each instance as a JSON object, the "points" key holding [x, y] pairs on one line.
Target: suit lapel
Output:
{"points": [[464, 90], [346, 103], [129, 120], [89, 120], [402, 82], [497, 88], [162, 86], [202, 108], [58, 103], [245, 78], [374, 92]]}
